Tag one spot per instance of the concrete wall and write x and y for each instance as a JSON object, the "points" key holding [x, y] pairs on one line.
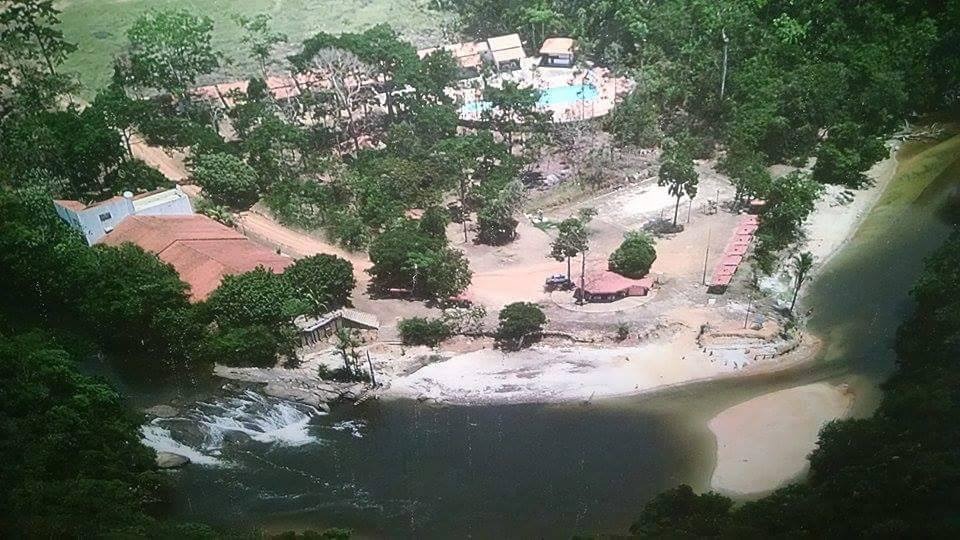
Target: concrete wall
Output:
{"points": [[94, 223]]}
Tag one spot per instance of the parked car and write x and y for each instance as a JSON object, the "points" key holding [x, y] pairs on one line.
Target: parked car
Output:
{"points": [[558, 282]]}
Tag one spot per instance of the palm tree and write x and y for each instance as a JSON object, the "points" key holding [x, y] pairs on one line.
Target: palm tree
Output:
{"points": [[802, 264]]}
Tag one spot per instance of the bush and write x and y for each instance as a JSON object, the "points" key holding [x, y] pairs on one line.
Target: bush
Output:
{"points": [[226, 179], [521, 323], [246, 346], [634, 256], [423, 331], [323, 281]]}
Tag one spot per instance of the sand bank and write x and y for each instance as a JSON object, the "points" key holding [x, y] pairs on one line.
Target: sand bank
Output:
{"points": [[764, 442]]}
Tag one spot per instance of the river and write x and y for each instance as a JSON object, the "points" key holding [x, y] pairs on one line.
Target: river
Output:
{"points": [[403, 469]]}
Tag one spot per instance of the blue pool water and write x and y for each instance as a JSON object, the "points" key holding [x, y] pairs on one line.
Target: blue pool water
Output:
{"points": [[557, 95]]}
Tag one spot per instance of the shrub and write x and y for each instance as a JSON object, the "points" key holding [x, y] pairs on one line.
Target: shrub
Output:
{"points": [[634, 256], [226, 179], [521, 323], [423, 331], [254, 345]]}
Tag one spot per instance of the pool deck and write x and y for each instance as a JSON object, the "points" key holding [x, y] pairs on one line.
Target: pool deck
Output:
{"points": [[531, 74]]}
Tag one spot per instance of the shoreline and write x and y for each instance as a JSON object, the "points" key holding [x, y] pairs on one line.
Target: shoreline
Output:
{"points": [[769, 420]]}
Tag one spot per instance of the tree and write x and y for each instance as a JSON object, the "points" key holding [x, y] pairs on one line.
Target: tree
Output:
{"points": [[511, 108], [845, 155], [259, 39], [520, 323], [678, 174], [73, 462], [226, 179], [802, 264], [169, 49], [255, 297], [121, 112], [422, 331], [434, 221], [33, 28], [347, 75], [127, 290], [748, 174], [405, 258], [682, 512], [634, 256], [325, 281], [439, 274], [571, 241], [495, 222], [78, 149]]}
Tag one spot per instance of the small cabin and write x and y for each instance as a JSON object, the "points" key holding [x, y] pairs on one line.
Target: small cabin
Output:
{"points": [[557, 52]]}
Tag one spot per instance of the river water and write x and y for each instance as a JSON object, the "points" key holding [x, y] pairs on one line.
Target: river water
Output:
{"points": [[403, 469]]}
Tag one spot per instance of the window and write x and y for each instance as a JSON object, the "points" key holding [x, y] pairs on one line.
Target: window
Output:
{"points": [[105, 216]]}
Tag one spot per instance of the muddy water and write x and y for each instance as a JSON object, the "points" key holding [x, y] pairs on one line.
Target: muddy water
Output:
{"points": [[408, 470]]}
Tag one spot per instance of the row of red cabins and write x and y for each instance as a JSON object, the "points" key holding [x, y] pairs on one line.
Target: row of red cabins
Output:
{"points": [[733, 253]]}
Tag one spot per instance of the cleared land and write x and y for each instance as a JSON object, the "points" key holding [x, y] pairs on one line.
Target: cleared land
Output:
{"points": [[99, 27]]}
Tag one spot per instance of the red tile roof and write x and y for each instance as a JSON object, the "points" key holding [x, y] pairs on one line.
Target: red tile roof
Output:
{"points": [[607, 282], [201, 250]]}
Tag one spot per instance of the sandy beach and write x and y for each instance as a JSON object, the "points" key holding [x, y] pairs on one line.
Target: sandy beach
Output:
{"points": [[764, 442]]}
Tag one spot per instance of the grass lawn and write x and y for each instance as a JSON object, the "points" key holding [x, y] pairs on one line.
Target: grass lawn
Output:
{"points": [[98, 27]]}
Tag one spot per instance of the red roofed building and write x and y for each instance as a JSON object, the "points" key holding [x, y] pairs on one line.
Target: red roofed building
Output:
{"points": [[201, 250], [607, 286]]}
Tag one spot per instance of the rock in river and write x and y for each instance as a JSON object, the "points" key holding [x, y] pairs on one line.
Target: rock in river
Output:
{"points": [[169, 460], [162, 411]]}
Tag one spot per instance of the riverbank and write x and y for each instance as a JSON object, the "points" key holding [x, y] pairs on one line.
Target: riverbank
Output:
{"points": [[765, 441]]}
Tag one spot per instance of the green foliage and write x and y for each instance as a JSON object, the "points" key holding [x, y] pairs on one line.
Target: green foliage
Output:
{"points": [[495, 222], [788, 203], [74, 149], [254, 345], [572, 239], [324, 281], [846, 155], [434, 222], [226, 179], [136, 176], [891, 475], [678, 174], [634, 256], [169, 49], [258, 306], [73, 462], [405, 258], [681, 513], [635, 120], [255, 297], [748, 174], [422, 331], [512, 109], [521, 323]]}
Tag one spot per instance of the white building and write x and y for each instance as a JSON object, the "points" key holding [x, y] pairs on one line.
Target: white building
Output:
{"points": [[95, 220]]}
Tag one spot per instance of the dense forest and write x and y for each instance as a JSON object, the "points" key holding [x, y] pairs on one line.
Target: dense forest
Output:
{"points": [[752, 83]]}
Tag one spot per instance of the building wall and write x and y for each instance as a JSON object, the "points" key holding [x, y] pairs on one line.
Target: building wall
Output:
{"points": [[94, 223]]}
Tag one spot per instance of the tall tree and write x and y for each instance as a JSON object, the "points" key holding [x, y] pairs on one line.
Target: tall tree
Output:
{"points": [[169, 49], [802, 264], [571, 240], [259, 39], [678, 174], [325, 281]]}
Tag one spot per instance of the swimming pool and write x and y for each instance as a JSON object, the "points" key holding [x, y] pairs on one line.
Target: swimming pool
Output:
{"points": [[557, 95]]}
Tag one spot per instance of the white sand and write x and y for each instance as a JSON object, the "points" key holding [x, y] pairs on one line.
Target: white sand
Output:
{"points": [[553, 374], [764, 442]]}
